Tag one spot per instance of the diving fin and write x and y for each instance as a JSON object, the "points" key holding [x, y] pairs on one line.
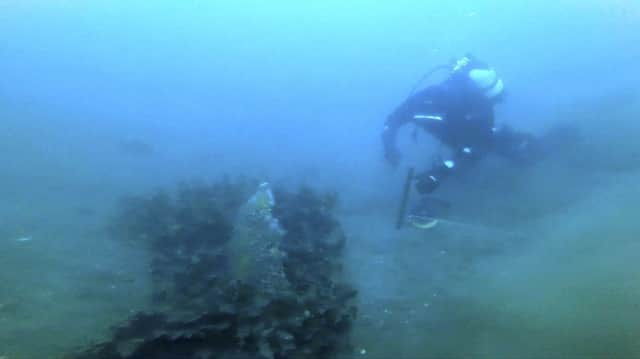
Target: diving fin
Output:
{"points": [[428, 212], [422, 222]]}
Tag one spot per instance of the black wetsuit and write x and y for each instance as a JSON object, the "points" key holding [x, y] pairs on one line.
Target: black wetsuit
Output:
{"points": [[460, 116]]}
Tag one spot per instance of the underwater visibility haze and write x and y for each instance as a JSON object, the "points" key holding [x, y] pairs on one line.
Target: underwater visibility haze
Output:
{"points": [[206, 179]]}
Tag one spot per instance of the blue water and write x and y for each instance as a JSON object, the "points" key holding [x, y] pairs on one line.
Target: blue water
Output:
{"points": [[297, 93]]}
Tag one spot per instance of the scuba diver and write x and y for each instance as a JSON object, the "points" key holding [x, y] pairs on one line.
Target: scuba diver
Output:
{"points": [[459, 113]]}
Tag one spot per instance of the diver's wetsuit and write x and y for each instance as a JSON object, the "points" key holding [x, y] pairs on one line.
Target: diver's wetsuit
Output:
{"points": [[461, 117]]}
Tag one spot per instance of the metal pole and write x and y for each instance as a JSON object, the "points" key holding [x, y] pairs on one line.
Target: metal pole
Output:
{"points": [[405, 198]]}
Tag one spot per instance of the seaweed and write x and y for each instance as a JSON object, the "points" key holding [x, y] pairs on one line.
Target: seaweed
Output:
{"points": [[202, 310]]}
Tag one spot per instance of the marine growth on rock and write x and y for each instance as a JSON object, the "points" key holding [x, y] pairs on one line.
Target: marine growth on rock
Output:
{"points": [[228, 284]]}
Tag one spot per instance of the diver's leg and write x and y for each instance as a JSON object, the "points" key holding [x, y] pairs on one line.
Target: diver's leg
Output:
{"points": [[429, 180]]}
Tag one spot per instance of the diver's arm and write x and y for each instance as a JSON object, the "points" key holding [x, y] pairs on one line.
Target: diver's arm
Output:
{"points": [[394, 122], [420, 103]]}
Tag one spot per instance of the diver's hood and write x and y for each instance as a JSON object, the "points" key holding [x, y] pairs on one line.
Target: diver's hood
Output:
{"points": [[487, 81]]}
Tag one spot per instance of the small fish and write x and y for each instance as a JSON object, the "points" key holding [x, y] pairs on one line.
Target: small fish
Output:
{"points": [[23, 239], [136, 147]]}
